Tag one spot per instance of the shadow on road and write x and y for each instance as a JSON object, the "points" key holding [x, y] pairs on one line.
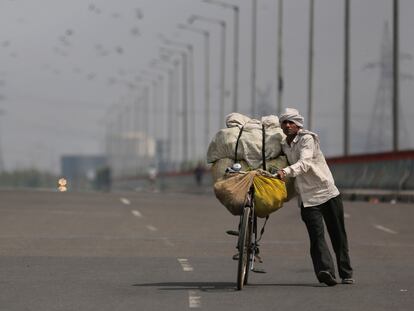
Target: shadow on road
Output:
{"points": [[216, 286], [202, 286], [287, 285]]}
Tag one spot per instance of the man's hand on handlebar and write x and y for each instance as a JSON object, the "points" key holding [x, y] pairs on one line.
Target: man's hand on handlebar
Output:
{"points": [[281, 174]]}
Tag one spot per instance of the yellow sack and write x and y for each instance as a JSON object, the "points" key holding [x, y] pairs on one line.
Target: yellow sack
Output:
{"points": [[269, 195], [278, 163]]}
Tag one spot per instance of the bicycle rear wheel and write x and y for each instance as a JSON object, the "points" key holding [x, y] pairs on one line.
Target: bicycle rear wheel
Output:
{"points": [[243, 246]]}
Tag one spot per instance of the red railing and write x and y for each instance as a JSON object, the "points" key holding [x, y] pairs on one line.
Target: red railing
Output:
{"points": [[385, 156]]}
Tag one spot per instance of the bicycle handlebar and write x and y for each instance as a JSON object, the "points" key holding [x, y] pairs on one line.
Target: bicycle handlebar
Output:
{"points": [[263, 172]]}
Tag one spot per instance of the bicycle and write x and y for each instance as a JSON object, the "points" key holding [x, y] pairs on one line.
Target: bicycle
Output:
{"points": [[248, 242]]}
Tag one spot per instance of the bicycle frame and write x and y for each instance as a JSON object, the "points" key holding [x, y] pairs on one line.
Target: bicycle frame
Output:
{"points": [[247, 242]]}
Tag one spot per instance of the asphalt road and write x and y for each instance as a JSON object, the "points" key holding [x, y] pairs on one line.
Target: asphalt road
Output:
{"points": [[153, 251]]}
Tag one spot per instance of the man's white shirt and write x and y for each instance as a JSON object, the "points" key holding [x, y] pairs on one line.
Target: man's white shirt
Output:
{"points": [[313, 179]]}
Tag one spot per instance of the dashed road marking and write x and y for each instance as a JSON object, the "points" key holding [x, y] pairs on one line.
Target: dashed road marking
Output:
{"points": [[194, 299], [185, 265], [136, 213], [385, 229], [168, 242], [125, 201], [151, 228]]}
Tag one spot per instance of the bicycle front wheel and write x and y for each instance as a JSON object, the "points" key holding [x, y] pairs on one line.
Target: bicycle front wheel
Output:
{"points": [[243, 246]]}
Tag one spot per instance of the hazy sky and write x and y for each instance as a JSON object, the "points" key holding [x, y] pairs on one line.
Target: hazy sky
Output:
{"points": [[61, 62]]}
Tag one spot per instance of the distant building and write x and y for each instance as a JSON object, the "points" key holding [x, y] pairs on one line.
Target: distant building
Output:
{"points": [[80, 170], [130, 154]]}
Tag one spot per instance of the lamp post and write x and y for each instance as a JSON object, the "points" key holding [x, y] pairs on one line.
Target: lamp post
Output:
{"points": [[207, 111], [120, 143], [156, 99], [222, 24], [346, 76], [310, 65], [169, 70], [184, 96], [146, 101], [136, 130], [2, 112], [396, 73], [236, 11], [189, 106], [279, 77], [109, 135], [253, 55], [113, 138], [173, 102], [127, 130]]}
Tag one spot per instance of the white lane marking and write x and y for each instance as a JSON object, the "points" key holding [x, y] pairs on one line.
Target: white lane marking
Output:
{"points": [[125, 201], [185, 265], [168, 242], [347, 215], [194, 300], [385, 229], [151, 228], [136, 213]]}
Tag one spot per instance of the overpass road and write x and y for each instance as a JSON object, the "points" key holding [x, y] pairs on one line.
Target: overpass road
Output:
{"points": [[153, 251]]}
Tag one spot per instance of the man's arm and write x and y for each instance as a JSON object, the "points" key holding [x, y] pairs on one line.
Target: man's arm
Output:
{"points": [[306, 147]]}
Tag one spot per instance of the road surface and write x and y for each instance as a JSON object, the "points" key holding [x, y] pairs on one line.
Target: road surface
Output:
{"points": [[154, 251]]}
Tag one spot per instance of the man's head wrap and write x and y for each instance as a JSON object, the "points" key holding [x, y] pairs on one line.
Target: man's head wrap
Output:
{"points": [[293, 115]]}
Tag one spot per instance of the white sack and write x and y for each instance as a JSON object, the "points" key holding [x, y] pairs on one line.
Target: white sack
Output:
{"points": [[223, 144]]}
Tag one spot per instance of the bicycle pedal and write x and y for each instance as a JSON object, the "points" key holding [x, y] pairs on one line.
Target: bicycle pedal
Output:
{"points": [[232, 232], [258, 270], [258, 259]]}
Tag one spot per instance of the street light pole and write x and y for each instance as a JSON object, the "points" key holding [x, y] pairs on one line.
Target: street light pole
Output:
{"points": [[121, 131], [156, 77], [164, 150], [223, 57], [207, 110], [108, 121], [190, 136], [173, 106], [235, 9], [236, 60], [279, 81], [346, 77], [184, 58], [310, 66], [163, 70], [146, 100], [1, 152], [253, 55], [396, 73]]}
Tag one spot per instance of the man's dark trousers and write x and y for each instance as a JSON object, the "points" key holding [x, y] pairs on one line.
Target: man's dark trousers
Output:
{"points": [[332, 212]]}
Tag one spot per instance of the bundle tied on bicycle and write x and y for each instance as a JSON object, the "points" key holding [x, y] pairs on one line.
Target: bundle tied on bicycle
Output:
{"points": [[256, 145], [269, 193]]}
